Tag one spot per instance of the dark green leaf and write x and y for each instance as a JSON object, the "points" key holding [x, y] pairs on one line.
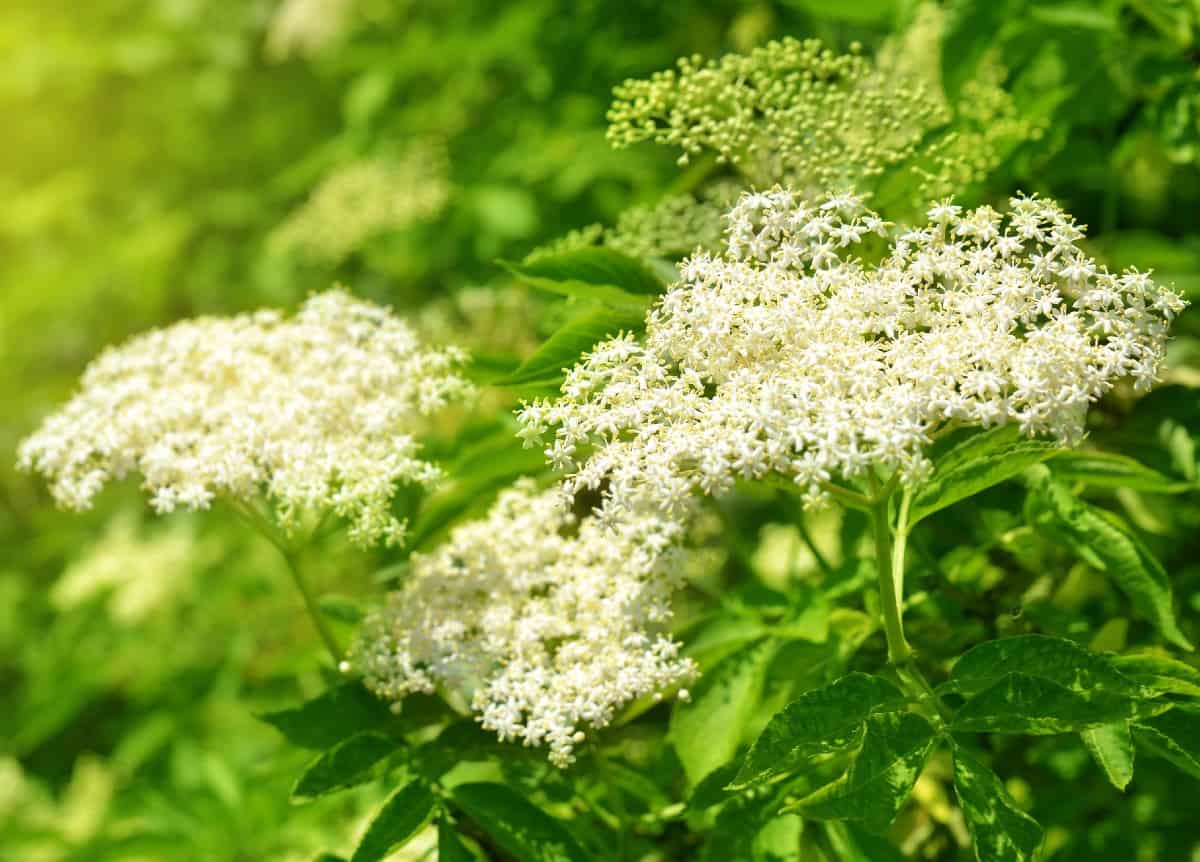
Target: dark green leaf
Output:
{"points": [[1056, 659], [583, 331], [403, 815], [1001, 831], [707, 730], [1106, 470], [1160, 674], [851, 844], [1111, 746], [518, 826], [344, 765], [450, 847], [1019, 703], [714, 787], [1174, 735], [881, 776], [820, 722], [595, 273], [1103, 540], [976, 464], [326, 720]]}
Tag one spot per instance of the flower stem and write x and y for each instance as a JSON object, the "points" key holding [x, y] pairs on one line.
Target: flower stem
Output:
{"points": [[899, 651]]}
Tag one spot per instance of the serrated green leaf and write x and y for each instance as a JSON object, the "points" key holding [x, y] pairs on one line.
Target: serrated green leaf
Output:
{"points": [[707, 730], [518, 826], [1056, 659], [344, 765], [1174, 735], [401, 817], [450, 847], [324, 721], [1103, 540], [1111, 746], [976, 464], [821, 722], [1020, 703], [895, 747], [595, 273], [582, 332], [1161, 674], [1000, 831], [1107, 470]]}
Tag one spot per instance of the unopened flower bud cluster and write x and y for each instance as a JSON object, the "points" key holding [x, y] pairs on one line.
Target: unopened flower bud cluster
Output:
{"points": [[552, 622], [313, 413], [364, 199], [792, 354]]}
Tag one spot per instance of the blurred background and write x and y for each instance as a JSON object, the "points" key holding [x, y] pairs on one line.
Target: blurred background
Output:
{"points": [[163, 159]]}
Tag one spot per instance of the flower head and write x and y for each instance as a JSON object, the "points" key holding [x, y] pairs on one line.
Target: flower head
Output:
{"points": [[551, 621], [792, 354], [313, 413]]}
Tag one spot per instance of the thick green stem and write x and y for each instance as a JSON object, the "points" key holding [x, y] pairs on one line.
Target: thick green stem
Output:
{"points": [[899, 651]]}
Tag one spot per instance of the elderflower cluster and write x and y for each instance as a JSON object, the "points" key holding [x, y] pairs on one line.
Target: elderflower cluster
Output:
{"points": [[361, 200], [313, 413], [791, 354], [306, 27], [790, 111], [552, 621]]}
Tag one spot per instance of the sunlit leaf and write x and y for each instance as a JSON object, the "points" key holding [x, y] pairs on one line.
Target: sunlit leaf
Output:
{"points": [[1000, 831], [1056, 659], [881, 776], [1019, 703], [583, 331], [517, 826], [1111, 746], [1108, 470], [344, 765], [976, 464], [818, 723], [1103, 540], [599, 274], [403, 815]]}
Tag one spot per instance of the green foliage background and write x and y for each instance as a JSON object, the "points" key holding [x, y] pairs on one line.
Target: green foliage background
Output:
{"points": [[151, 149]]}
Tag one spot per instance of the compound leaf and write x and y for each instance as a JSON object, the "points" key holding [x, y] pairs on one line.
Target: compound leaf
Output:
{"points": [[519, 827], [344, 765], [403, 815], [1020, 703]]}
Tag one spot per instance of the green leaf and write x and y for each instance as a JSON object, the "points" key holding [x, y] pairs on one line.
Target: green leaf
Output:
{"points": [[976, 464], [1103, 540], [707, 730], [583, 331], [1160, 674], [399, 819], [1174, 735], [344, 765], [450, 847], [1106, 470], [594, 273], [821, 722], [1020, 703], [519, 827], [1000, 831], [895, 747], [326, 720], [1056, 659], [1111, 746]]}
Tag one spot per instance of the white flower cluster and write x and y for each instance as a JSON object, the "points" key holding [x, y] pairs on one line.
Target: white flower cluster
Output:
{"points": [[315, 413], [306, 27], [791, 354], [361, 200], [552, 621]]}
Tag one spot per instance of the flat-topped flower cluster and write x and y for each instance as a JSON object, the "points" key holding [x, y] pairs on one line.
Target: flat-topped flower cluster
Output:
{"points": [[312, 413], [792, 354], [552, 621]]}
